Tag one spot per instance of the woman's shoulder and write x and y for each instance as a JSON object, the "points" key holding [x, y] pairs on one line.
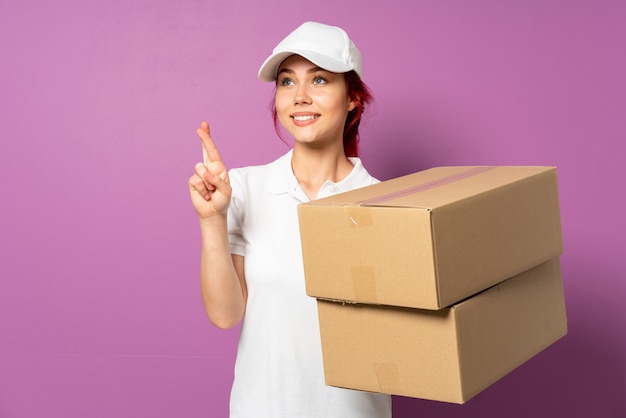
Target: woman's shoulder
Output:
{"points": [[262, 172]]}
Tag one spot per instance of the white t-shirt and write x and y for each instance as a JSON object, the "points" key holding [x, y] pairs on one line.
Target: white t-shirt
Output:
{"points": [[279, 371]]}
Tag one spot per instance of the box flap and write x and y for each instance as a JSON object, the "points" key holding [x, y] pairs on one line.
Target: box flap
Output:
{"points": [[433, 187]]}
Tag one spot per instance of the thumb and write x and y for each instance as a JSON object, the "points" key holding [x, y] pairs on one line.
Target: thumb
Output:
{"points": [[218, 181]]}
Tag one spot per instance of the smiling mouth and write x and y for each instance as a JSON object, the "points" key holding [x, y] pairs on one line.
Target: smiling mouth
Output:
{"points": [[304, 118]]}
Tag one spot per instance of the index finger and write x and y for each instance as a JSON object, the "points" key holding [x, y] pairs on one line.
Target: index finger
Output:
{"points": [[209, 150]]}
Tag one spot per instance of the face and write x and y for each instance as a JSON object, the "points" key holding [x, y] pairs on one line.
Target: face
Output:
{"points": [[311, 103]]}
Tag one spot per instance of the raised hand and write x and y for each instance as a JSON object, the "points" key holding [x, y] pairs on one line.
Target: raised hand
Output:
{"points": [[209, 187]]}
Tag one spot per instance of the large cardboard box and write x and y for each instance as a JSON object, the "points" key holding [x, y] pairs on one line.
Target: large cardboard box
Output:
{"points": [[447, 355], [430, 239]]}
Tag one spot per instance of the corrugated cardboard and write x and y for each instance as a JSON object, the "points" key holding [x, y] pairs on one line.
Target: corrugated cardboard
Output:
{"points": [[430, 239], [447, 355]]}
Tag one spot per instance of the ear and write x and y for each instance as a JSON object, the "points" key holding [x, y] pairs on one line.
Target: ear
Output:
{"points": [[351, 105]]}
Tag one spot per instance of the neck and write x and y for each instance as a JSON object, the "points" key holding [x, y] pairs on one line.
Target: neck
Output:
{"points": [[313, 167]]}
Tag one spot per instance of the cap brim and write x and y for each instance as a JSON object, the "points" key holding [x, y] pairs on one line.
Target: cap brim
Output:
{"points": [[269, 69]]}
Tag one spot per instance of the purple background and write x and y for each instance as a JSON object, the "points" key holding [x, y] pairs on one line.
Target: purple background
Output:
{"points": [[100, 312]]}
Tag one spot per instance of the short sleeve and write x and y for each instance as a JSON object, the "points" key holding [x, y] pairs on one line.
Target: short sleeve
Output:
{"points": [[236, 214]]}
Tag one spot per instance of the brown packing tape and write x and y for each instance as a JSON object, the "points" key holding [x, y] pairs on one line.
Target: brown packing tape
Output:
{"points": [[387, 376], [364, 283], [430, 185]]}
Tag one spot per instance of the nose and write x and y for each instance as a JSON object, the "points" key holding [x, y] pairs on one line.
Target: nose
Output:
{"points": [[302, 95]]}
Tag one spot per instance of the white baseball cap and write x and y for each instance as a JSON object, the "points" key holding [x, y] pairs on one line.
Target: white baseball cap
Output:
{"points": [[329, 47]]}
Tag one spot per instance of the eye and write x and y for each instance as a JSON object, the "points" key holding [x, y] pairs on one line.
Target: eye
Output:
{"points": [[319, 80], [286, 82]]}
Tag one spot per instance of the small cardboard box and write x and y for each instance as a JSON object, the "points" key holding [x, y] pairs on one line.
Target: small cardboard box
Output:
{"points": [[448, 355], [432, 238]]}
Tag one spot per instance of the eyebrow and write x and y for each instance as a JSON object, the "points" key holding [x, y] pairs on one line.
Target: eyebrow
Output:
{"points": [[310, 70]]}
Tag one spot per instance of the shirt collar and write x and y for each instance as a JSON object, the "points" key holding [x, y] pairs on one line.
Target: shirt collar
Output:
{"points": [[282, 179]]}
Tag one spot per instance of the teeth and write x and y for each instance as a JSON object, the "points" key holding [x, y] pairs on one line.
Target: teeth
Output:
{"points": [[303, 118]]}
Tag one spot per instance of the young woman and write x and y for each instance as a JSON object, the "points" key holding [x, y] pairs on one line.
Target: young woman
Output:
{"points": [[251, 262]]}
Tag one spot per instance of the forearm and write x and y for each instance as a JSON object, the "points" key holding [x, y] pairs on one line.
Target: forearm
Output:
{"points": [[223, 289]]}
